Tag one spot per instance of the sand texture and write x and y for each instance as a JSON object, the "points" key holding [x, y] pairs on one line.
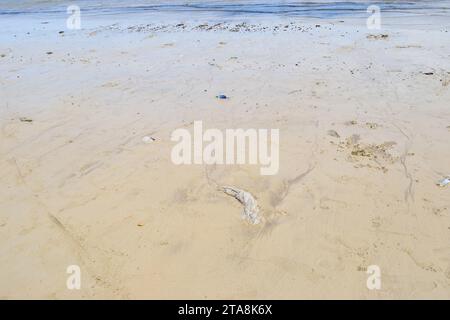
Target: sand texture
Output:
{"points": [[364, 124]]}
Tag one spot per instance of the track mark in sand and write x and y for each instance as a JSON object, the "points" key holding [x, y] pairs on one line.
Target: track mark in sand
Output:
{"points": [[33, 139], [21, 177], [267, 229], [409, 193], [67, 234], [80, 251], [396, 233], [84, 257], [56, 222], [88, 168], [60, 146], [420, 264], [278, 198]]}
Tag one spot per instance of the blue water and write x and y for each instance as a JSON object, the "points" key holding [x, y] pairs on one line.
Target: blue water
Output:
{"points": [[224, 7]]}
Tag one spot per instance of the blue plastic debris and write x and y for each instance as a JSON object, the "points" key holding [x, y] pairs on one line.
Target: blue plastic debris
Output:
{"points": [[222, 97]]}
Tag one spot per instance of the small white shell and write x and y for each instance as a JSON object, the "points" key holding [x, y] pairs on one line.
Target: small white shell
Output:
{"points": [[443, 182], [148, 139]]}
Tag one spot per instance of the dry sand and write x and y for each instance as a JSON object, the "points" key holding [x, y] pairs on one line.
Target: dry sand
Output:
{"points": [[364, 135]]}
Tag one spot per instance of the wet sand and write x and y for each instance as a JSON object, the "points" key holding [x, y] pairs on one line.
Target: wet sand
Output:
{"points": [[364, 126]]}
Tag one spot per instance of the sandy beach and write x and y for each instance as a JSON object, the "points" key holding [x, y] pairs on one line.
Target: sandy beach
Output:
{"points": [[86, 118]]}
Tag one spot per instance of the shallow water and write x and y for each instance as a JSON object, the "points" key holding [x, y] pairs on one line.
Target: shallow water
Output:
{"points": [[320, 9]]}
